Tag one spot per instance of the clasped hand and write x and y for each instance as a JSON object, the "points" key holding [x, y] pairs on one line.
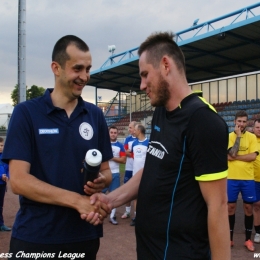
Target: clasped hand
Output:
{"points": [[96, 186], [100, 206]]}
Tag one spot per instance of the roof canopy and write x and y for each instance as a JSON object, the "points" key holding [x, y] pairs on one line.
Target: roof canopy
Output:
{"points": [[231, 49]]}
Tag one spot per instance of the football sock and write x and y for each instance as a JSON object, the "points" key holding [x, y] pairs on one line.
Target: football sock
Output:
{"points": [[257, 229], [113, 213], [231, 219], [248, 226]]}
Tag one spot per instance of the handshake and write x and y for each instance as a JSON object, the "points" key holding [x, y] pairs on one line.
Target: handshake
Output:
{"points": [[97, 208]]}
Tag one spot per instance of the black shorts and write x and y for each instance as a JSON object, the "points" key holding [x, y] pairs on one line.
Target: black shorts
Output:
{"points": [[81, 250]]}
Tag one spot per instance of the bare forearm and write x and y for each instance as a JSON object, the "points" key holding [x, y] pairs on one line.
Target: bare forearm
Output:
{"points": [[246, 157], [119, 159], [218, 228], [234, 150], [108, 175], [106, 172], [27, 185], [126, 192], [37, 190], [128, 153], [214, 194]]}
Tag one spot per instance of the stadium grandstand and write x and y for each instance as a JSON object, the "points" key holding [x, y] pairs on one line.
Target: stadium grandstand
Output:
{"points": [[222, 60]]}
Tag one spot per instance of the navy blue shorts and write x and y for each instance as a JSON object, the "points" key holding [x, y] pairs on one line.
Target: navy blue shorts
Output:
{"points": [[257, 190], [128, 176], [247, 189], [114, 184]]}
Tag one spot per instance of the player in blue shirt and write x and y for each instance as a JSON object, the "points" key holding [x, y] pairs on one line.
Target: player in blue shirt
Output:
{"points": [[47, 141], [4, 177]]}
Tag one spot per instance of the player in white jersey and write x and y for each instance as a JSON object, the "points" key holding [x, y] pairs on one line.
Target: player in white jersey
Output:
{"points": [[139, 149], [129, 163], [118, 157]]}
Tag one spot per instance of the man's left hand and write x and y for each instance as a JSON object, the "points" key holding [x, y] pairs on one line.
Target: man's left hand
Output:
{"points": [[96, 186]]}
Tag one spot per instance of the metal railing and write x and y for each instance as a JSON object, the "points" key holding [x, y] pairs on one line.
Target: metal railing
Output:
{"points": [[217, 25]]}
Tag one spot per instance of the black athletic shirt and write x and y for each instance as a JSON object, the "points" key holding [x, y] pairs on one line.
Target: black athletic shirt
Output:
{"points": [[187, 145]]}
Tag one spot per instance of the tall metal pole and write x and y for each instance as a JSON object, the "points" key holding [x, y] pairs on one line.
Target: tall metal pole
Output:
{"points": [[21, 50], [130, 106], [96, 99]]}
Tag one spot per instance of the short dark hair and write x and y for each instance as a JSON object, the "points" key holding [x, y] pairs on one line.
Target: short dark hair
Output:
{"points": [[159, 44], [141, 128], [112, 127], [1, 139], [257, 120], [59, 53], [241, 113]]}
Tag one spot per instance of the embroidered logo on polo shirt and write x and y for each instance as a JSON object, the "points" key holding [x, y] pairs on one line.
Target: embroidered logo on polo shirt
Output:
{"points": [[86, 131], [48, 131]]}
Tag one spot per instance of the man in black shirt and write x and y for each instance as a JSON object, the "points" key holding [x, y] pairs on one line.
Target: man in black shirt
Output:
{"points": [[182, 200]]}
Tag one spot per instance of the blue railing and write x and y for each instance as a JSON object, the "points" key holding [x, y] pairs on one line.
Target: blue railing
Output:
{"points": [[230, 19]]}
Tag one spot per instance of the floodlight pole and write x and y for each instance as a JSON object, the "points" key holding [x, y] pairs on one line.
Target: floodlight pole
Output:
{"points": [[130, 106], [21, 50], [132, 93]]}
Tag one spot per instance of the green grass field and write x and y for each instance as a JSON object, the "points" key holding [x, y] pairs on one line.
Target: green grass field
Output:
{"points": [[122, 168]]}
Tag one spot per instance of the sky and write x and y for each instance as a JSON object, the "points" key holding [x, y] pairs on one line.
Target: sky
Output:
{"points": [[100, 23]]}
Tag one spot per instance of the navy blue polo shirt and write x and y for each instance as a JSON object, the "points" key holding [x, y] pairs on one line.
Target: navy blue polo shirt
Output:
{"points": [[55, 146]]}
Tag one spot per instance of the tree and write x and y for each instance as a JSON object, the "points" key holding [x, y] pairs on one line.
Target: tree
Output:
{"points": [[15, 95], [33, 92]]}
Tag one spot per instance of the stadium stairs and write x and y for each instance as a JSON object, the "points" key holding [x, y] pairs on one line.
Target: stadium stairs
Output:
{"points": [[226, 110], [122, 123]]}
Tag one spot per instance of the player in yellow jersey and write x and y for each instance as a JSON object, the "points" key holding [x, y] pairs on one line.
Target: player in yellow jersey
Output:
{"points": [[242, 151], [256, 205]]}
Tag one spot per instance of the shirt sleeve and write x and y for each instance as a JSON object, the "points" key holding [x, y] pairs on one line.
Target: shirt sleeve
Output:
{"points": [[207, 142], [126, 143], [18, 143], [2, 171], [253, 145], [231, 140], [122, 151]]}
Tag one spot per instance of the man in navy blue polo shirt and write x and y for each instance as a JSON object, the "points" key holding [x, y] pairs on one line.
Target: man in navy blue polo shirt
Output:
{"points": [[47, 140]]}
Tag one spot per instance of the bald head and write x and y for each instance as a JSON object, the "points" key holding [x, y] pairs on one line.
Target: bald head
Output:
{"points": [[131, 127]]}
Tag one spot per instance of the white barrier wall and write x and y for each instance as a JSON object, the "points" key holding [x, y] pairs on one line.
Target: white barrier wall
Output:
{"points": [[5, 114]]}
